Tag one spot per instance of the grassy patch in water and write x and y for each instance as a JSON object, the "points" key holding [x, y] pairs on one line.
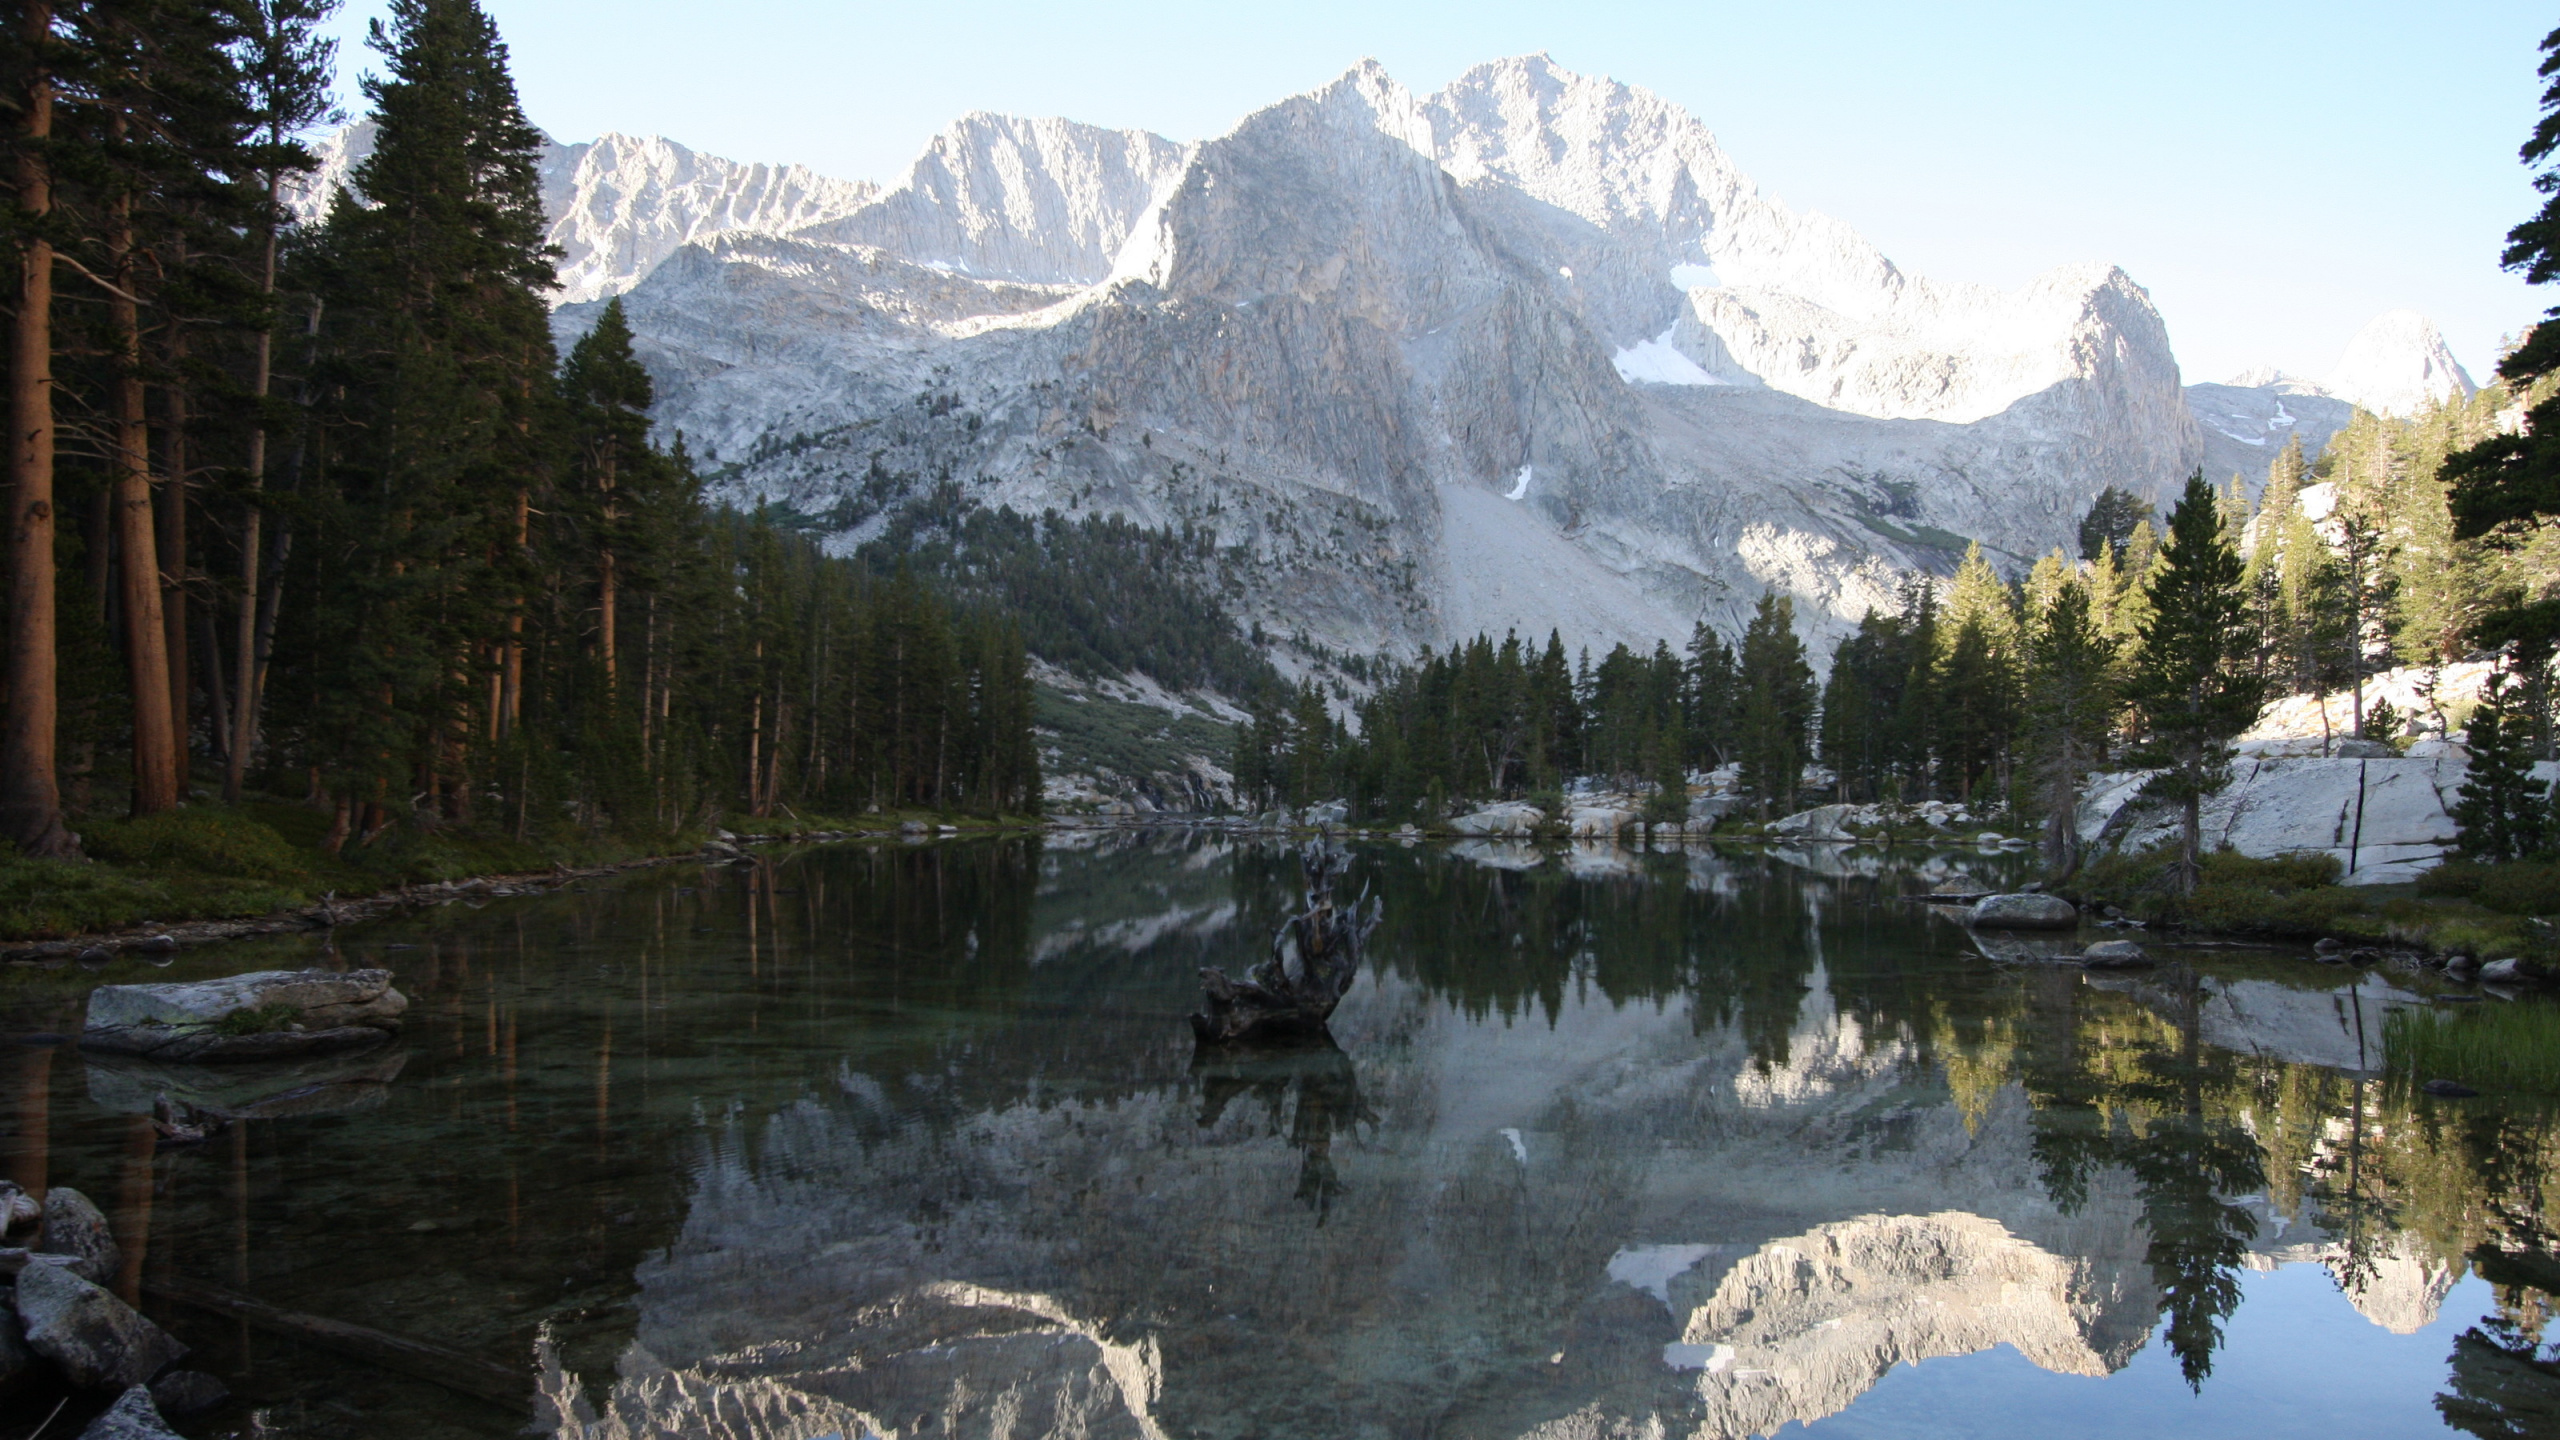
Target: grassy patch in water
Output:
{"points": [[2514, 1047]]}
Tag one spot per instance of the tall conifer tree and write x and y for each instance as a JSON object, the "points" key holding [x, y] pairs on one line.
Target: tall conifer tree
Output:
{"points": [[2191, 681]]}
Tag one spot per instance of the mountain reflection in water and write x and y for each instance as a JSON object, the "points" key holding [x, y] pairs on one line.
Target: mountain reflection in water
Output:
{"points": [[913, 1140]]}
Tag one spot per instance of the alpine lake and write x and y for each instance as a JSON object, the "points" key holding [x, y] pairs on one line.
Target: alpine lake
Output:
{"points": [[913, 1140]]}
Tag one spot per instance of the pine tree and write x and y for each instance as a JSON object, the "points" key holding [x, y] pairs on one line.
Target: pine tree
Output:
{"points": [[2513, 477], [2500, 809], [1777, 705], [2110, 523], [285, 69], [442, 345], [2191, 685], [2070, 705], [1710, 693]]}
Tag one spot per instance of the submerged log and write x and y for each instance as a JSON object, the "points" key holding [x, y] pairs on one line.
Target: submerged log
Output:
{"points": [[1313, 960]]}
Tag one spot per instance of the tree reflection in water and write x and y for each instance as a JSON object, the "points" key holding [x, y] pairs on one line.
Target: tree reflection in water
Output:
{"points": [[1317, 1075], [2137, 1097]]}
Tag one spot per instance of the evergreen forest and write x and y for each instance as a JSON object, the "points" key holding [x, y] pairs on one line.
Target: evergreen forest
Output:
{"points": [[319, 513]]}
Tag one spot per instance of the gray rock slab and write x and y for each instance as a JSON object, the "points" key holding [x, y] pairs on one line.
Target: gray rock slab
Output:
{"points": [[74, 1226], [301, 1012], [2387, 818], [2115, 955], [2024, 912], [1507, 818], [133, 1417], [100, 1342]]}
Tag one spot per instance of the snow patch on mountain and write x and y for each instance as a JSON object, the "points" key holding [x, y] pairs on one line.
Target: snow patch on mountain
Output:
{"points": [[1659, 362]]}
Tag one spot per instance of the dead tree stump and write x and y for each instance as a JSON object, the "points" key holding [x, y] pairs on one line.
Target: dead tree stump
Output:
{"points": [[1313, 960]]}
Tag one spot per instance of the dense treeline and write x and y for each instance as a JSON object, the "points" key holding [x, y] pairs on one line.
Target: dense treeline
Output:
{"points": [[1488, 721], [318, 510], [2155, 649]]}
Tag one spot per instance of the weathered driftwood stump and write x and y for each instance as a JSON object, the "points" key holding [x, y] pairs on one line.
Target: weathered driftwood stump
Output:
{"points": [[1313, 961]]}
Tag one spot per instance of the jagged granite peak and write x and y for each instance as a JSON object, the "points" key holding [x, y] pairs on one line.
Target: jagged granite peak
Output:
{"points": [[1042, 201], [620, 204], [1527, 353], [2397, 365]]}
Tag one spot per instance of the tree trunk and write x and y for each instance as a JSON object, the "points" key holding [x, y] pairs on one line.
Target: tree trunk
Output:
{"points": [[30, 800], [511, 687], [244, 714], [217, 692], [155, 751], [755, 753], [171, 528], [605, 617]]}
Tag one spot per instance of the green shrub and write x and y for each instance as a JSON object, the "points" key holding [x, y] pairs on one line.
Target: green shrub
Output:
{"points": [[204, 841], [2453, 877], [2282, 895], [2301, 870], [2520, 887]]}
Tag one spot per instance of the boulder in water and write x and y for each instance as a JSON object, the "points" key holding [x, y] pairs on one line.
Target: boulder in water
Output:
{"points": [[2115, 955], [98, 1341], [73, 1226], [268, 1015], [133, 1417], [2024, 912]]}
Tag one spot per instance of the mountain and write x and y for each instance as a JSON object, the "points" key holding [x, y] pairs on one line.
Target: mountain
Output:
{"points": [[2248, 420], [621, 204], [1528, 353], [2397, 363]]}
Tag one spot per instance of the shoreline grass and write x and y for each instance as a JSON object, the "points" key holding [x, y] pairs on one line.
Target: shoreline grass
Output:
{"points": [[2511, 1047]]}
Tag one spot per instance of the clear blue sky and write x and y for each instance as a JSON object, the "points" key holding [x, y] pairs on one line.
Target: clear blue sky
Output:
{"points": [[2276, 173]]}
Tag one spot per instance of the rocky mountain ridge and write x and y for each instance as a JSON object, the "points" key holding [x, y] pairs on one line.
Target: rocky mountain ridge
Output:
{"points": [[1530, 352]]}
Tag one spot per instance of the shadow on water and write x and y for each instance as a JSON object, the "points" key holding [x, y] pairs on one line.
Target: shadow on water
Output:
{"points": [[870, 1136]]}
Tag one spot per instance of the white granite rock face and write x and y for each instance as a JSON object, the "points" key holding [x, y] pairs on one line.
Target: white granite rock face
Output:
{"points": [[1377, 342], [2386, 821]]}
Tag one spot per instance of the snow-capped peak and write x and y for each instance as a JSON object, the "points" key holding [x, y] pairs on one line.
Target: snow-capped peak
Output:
{"points": [[2396, 364]]}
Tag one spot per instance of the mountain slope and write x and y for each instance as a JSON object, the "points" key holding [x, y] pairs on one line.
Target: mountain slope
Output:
{"points": [[1405, 357], [621, 204]]}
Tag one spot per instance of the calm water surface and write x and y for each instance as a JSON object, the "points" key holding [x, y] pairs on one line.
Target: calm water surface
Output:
{"points": [[912, 1141]]}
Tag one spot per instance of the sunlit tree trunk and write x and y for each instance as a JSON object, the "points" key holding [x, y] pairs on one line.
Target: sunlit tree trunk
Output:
{"points": [[155, 751], [30, 802]]}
